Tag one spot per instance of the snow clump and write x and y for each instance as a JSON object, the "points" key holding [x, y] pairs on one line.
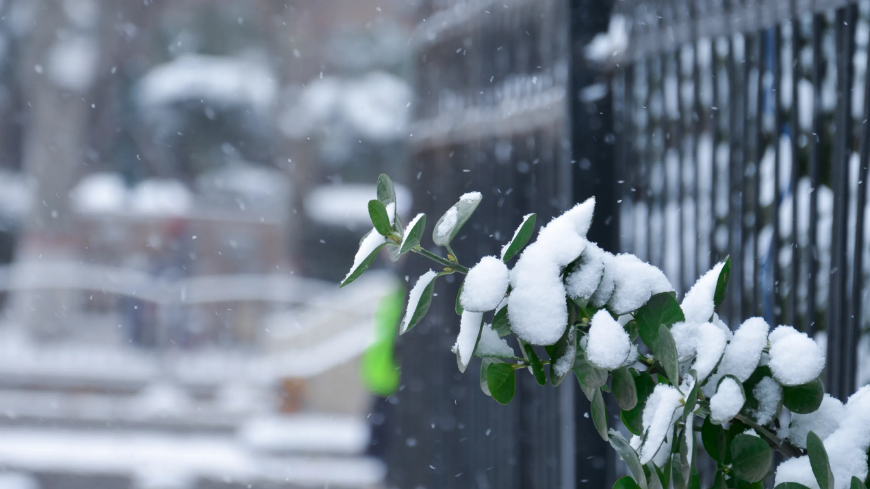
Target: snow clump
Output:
{"points": [[587, 274], [659, 414], [634, 282], [536, 308], [727, 402], [485, 285], [608, 344], [698, 302], [795, 358]]}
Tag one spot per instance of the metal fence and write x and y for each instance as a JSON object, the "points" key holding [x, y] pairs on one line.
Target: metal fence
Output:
{"points": [[725, 128], [742, 131]]}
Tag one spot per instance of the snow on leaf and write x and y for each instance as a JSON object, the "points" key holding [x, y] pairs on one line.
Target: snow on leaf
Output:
{"points": [[698, 304], [485, 285], [796, 359], [608, 345], [413, 312], [369, 247], [634, 282], [728, 400], [469, 332], [537, 309], [659, 414]]}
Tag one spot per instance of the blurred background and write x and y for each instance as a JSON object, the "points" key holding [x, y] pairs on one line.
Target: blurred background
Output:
{"points": [[184, 183]]}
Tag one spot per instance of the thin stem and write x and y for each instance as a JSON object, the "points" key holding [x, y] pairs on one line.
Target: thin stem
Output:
{"points": [[432, 256], [784, 447]]}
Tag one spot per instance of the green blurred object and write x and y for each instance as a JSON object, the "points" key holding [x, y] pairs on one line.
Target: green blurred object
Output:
{"points": [[379, 372]]}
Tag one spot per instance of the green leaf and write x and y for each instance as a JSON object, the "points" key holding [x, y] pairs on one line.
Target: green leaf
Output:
{"points": [[750, 457], [715, 440], [629, 456], [682, 460], [666, 354], [794, 485], [589, 375], [501, 381], [719, 481], [422, 306], [378, 214], [653, 478], [722, 283], [626, 483], [661, 309], [386, 191], [464, 209], [599, 414], [819, 461], [458, 305], [692, 398], [413, 235], [521, 237], [663, 473], [695, 481], [624, 389], [500, 322], [394, 251], [535, 363], [484, 366], [363, 266], [632, 418], [741, 484], [803, 399], [565, 349], [857, 483]]}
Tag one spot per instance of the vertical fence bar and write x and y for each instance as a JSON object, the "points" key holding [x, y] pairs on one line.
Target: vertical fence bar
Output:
{"points": [[777, 162], [838, 303], [854, 328], [738, 73], [815, 156], [795, 168], [714, 134], [759, 143]]}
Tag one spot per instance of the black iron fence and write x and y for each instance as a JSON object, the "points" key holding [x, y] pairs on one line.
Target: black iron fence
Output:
{"points": [[743, 132], [724, 128]]}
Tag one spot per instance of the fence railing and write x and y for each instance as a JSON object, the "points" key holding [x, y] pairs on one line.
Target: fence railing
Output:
{"points": [[743, 132]]}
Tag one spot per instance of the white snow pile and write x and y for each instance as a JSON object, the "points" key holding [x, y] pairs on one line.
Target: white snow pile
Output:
{"points": [[698, 303], [368, 245], [490, 345], [634, 282], [846, 446], [586, 277], [659, 413], [416, 292], [445, 227], [507, 245], [469, 329], [608, 44], [823, 422], [768, 393], [100, 192], [608, 345], [710, 342], [221, 80], [743, 352], [410, 227], [795, 358], [727, 402], [161, 196], [536, 308], [485, 285]]}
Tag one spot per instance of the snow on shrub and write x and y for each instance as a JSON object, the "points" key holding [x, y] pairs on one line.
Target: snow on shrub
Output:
{"points": [[673, 367]]}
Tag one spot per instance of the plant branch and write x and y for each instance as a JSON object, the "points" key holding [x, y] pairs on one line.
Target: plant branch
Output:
{"points": [[782, 446], [441, 261]]}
